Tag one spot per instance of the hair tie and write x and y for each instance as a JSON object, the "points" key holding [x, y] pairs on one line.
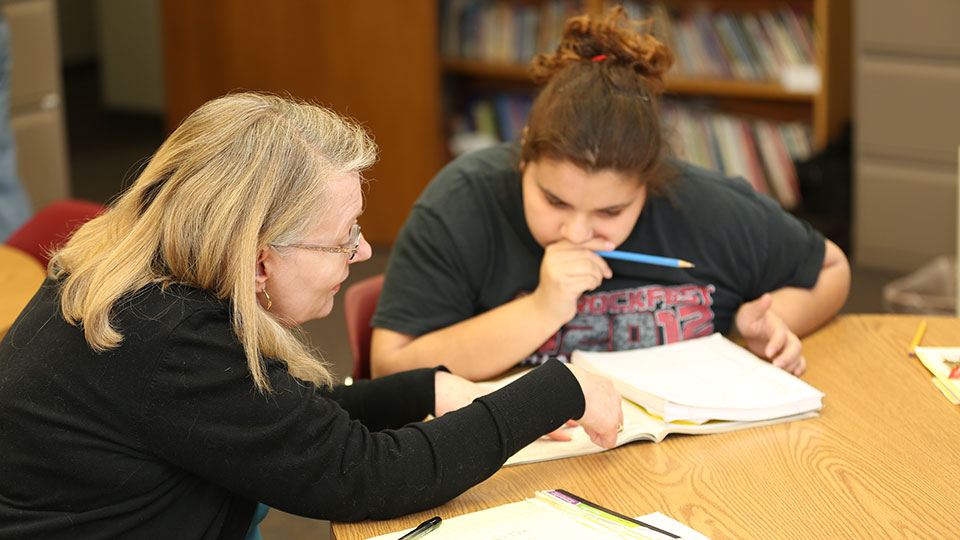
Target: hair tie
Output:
{"points": [[599, 58]]}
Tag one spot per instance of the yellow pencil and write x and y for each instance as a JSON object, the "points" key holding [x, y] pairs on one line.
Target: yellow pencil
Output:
{"points": [[917, 337]]}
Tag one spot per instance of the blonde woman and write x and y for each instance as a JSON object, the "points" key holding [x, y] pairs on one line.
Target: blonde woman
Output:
{"points": [[155, 387]]}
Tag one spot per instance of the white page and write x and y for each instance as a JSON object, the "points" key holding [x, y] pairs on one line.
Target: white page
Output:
{"points": [[672, 526], [709, 373]]}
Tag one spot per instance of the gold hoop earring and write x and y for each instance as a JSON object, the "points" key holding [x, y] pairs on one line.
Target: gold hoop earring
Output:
{"points": [[267, 296]]}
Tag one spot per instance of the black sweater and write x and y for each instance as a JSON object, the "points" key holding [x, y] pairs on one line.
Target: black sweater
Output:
{"points": [[166, 436]]}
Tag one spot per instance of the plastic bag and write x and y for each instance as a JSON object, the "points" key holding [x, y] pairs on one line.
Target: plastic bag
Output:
{"points": [[931, 289]]}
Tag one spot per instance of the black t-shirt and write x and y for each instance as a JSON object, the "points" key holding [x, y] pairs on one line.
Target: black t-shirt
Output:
{"points": [[466, 249], [165, 436]]}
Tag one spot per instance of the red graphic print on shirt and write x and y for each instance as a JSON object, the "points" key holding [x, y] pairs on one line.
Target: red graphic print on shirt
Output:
{"points": [[632, 318]]}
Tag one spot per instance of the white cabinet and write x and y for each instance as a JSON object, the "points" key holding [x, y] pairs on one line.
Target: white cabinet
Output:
{"points": [[907, 106], [36, 100]]}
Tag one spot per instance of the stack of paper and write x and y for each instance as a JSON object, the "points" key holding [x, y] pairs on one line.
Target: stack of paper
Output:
{"points": [[942, 362], [556, 514], [708, 378]]}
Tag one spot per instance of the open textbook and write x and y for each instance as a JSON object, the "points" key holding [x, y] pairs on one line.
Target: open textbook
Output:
{"points": [[708, 378], [713, 379], [555, 514]]}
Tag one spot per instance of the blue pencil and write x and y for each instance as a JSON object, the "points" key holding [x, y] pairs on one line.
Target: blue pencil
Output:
{"points": [[642, 258]]}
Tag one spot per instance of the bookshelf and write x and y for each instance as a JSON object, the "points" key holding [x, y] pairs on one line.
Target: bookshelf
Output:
{"points": [[822, 104], [826, 107], [383, 63]]}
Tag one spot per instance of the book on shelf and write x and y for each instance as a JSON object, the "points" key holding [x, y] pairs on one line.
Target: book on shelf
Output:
{"points": [[557, 513], [800, 31], [791, 40], [684, 63], [709, 135], [484, 118], [693, 387], [490, 118], [734, 151], [761, 151], [743, 44], [737, 52], [780, 171], [711, 46], [761, 43], [502, 32]]}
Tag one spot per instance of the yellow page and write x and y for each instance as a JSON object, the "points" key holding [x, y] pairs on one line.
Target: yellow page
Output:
{"points": [[946, 391], [933, 359]]}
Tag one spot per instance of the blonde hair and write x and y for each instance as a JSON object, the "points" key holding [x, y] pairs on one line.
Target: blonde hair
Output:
{"points": [[242, 172]]}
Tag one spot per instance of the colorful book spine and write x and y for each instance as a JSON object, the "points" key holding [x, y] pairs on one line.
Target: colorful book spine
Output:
{"points": [[761, 151]]}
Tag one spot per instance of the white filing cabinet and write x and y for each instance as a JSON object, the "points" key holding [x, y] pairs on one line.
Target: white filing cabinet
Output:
{"points": [[907, 104], [36, 100]]}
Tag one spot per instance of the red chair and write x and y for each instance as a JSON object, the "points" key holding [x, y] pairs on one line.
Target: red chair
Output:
{"points": [[359, 303], [52, 226]]}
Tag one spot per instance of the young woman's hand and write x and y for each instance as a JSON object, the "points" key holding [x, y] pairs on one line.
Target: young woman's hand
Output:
{"points": [[566, 272], [603, 415], [452, 392], [767, 336]]}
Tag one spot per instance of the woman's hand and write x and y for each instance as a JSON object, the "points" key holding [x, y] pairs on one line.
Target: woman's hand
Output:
{"points": [[603, 416], [452, 392], [566, 272], [559, 434], [767, 336]]}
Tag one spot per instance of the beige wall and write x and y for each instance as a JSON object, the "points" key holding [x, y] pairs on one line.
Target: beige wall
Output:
{"points": [[131, 66]]}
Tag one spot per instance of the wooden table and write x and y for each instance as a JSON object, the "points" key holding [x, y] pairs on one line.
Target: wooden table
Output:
{"points": [[20, 277], [882, 460]]}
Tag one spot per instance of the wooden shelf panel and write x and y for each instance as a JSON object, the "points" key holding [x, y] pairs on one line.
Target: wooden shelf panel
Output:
{"points": [[675, 85], [478, 69], [733, 88]]}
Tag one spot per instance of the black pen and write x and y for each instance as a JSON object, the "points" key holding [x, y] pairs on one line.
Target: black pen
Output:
{"points": [[422, 528]]}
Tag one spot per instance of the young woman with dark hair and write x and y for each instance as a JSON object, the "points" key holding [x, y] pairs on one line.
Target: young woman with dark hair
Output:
{"points": [[497, 261]]}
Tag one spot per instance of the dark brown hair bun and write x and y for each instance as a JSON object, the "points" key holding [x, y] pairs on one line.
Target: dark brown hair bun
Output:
{"points": [[623, 43]]}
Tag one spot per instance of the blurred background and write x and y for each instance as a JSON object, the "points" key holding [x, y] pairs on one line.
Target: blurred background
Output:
{"points": [[848, 120]]}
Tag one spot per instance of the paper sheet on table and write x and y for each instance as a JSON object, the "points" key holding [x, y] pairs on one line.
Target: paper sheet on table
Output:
{"points": [[534, 520], [936, 360], [671, 525], [516, 521]]}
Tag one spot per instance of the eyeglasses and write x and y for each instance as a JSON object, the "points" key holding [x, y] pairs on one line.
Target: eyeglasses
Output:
{"points": [[353, 242]]}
